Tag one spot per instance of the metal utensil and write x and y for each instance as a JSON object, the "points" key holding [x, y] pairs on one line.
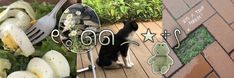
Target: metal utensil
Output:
{"points": [[44, 25]]}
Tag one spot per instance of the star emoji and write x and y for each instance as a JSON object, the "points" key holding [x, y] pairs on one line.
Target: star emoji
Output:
{"points": [[148, 35]]}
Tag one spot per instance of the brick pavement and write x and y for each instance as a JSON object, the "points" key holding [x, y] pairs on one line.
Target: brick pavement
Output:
{"points": [[212, 75], [217, 59], [197, 68]]}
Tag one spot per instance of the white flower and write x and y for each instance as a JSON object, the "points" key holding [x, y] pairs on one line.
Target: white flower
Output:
{"points": [[78, 13], [67, 11], [69, 22], [72, 33], [69, 16], [72, 22], [66, 23], [66, 28], [69, 26]]}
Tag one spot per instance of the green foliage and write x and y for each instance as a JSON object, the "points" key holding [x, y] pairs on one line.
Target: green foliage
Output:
{"points": [[41, 9], [194, 44], [117, 10], [18, 63]]}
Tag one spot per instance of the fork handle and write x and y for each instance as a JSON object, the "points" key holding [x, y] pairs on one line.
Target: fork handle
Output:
{"points": [[55, 10]]}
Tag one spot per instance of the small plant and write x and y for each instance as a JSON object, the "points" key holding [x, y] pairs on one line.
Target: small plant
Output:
{"points": [[116, 10], [194, 44]]}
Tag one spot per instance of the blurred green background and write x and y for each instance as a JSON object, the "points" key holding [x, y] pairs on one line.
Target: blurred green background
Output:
{"points": [[111, 11]]}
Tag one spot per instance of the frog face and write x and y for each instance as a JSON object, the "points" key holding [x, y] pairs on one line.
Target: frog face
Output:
{"points": [[161, 48]]}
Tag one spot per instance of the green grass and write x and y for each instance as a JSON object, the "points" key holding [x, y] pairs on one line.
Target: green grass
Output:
{"points": [[111, 11], [193, 44]]}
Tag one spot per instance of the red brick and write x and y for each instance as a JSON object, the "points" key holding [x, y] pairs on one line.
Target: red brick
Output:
{"points": [[219, 60], [196, 16], [232, 26], [196, 68], [232, 55], [221, 31], [212, 75], [170, 25], [176, 65], [191, 3], [176, 7], [225, 8]]}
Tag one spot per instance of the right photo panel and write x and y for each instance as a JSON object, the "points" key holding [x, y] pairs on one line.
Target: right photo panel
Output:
{"points": [[200, 36]]}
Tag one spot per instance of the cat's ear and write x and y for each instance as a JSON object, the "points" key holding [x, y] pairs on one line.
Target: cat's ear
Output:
{"points": [[134, 24], [125, 22]]}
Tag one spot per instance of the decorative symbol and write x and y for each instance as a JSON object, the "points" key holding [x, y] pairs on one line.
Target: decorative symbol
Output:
{"points": [[54, 34], [165, 34], [95, 39], [176, 36], [90, 39], [148, 35], [160, 61], [68, 43], [106, 37]]}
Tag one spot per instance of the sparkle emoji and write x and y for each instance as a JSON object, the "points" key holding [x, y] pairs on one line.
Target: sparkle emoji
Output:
{"points": [[160, 61]]}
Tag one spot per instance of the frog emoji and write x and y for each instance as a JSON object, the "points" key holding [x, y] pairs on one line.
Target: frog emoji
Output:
{"points": [[160, 61]]}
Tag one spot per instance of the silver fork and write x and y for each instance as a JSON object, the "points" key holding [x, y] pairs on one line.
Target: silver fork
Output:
{"points": [[44, 25]]}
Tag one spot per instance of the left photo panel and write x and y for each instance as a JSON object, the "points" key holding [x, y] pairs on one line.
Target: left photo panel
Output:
{"points": [[38, 38], [83, 39]]}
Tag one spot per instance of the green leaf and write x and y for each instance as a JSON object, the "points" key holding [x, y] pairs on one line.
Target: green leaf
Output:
{"points": [[136, 4], [122, 9], [139, 11], [150, 9], [112, 12]]}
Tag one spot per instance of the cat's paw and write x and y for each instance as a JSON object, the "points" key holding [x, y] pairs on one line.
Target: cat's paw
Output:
{"points": [[120, 63], [114, 66], [129, 65]]}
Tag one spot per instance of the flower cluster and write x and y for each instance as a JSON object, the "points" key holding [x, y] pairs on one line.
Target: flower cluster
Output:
{"points": [[70, 23]]}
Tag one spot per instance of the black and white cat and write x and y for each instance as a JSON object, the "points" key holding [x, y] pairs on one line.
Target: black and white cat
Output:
{"points": [[108, 55]]}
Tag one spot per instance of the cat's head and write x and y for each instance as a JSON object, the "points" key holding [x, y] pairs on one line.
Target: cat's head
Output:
{"points": [[131, 24], [130, 27]]}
